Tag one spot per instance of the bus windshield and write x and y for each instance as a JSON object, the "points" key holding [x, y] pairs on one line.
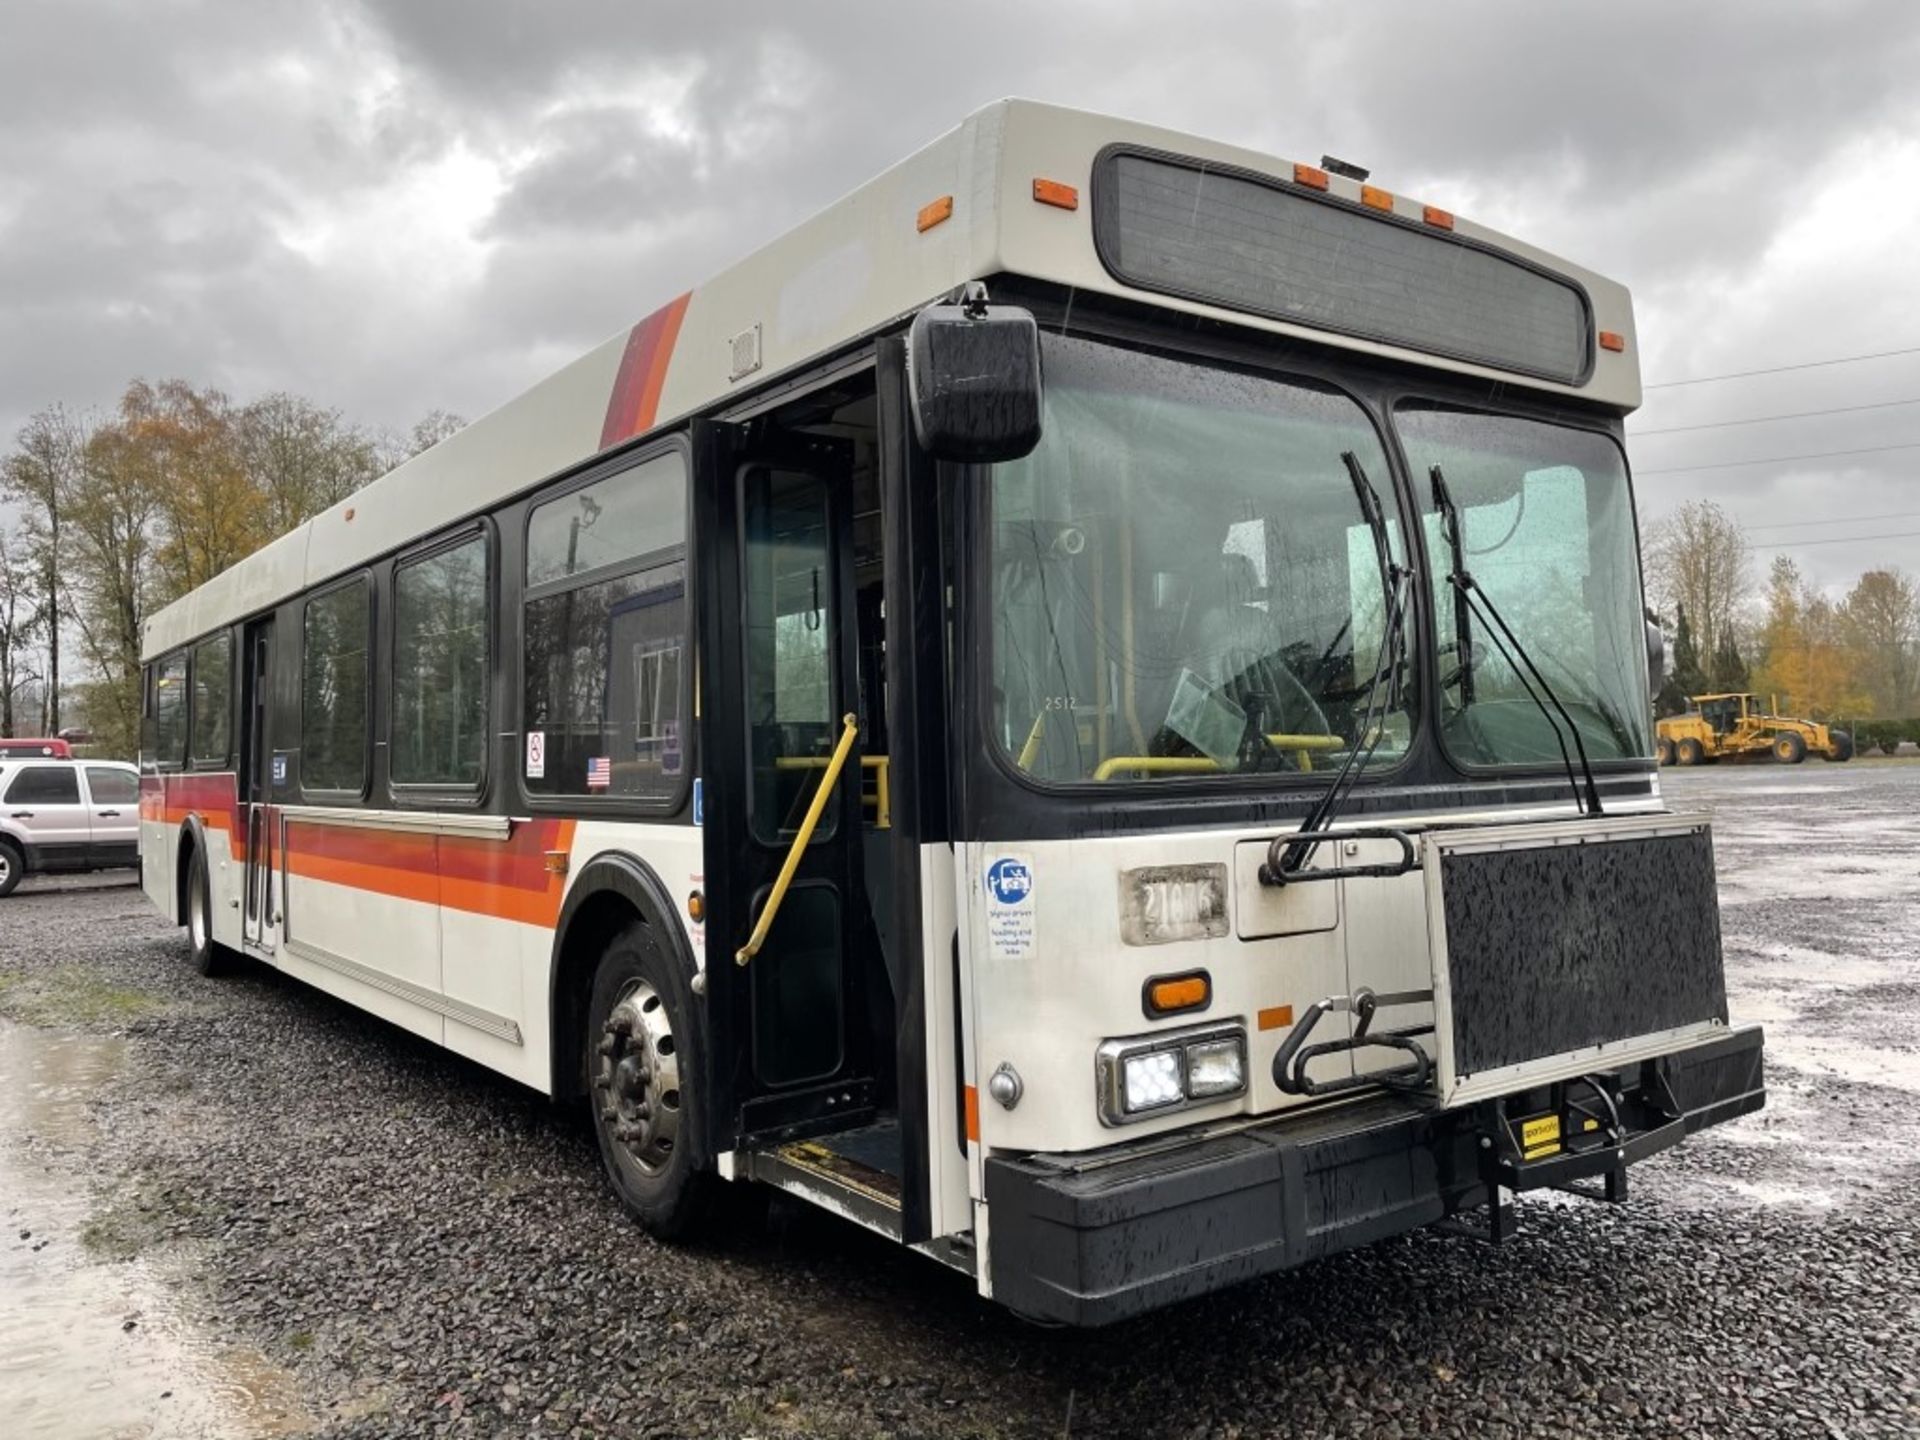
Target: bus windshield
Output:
{"points": [[1182, 580], [1546, 522]]}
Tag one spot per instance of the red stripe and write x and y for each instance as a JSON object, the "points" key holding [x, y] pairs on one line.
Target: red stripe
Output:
{"points": [[635, 401]]}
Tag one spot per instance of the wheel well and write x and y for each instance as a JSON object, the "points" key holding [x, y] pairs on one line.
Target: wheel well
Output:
{"points": [[183, 867], [600, 917]]}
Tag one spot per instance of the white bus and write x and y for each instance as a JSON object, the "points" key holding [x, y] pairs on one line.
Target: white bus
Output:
{"points": [[1087, 710]]}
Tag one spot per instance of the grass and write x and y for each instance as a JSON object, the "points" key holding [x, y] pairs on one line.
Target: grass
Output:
{"points": [[72, 995]]}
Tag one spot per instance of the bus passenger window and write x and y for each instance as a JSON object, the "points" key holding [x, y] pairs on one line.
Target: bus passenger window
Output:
{"points": [[212, 700], [170, 710], [606, 625], [333, 691], [440, 609]]}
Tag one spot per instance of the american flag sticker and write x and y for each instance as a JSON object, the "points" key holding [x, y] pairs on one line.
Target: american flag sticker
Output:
{"points": [[599, 773]]}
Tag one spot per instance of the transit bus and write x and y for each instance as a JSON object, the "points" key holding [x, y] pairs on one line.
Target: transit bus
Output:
{"points": [[1087, 710]]}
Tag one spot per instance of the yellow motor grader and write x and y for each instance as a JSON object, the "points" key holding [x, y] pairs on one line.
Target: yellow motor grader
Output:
{"points": [[1735, 727]]}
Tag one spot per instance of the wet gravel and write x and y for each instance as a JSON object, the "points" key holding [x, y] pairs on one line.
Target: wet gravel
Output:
{"points": [[429, 1250]]}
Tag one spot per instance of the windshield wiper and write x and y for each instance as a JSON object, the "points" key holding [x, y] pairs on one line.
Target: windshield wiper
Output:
{"points": [[1476, 599], [1396, 584]]}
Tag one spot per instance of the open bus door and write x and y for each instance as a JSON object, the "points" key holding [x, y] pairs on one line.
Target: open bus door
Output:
{"points": [[793, 1050], [261, 907]]}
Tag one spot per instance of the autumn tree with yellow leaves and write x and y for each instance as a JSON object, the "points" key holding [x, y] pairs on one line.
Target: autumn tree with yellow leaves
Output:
{"points": [[123, 513]]}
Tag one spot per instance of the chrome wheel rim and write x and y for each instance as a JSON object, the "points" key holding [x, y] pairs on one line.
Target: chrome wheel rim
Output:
{"points": [[637, 1081], [197, 919]]}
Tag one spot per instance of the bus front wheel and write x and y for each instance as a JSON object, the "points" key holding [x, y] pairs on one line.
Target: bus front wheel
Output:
{"points": [[643, 1084]]}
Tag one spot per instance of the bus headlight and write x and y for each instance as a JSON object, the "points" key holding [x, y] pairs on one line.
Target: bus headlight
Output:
{"points": [[1152, 1080], [1145, 1075], [1216, 1067]]}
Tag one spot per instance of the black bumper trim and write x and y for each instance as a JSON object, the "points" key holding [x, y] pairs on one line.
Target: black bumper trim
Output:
{"points": [[1092, 1240]]}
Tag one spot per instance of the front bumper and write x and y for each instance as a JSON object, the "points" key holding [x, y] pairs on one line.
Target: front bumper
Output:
{"points": [[1087, 1240]]}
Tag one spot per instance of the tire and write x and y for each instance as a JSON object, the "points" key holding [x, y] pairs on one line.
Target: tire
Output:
{"points": [[13, 868], [209, 956], [1688, 752], [1789, 748], [643, 1056], [1842, 746], [1663, 750]]}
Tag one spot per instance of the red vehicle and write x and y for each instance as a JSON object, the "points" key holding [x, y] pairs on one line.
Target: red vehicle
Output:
{"points": [[38, 749]]}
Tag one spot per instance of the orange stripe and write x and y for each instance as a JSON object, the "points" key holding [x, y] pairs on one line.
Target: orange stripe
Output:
{"points": [[404, 867], [973, 1114], [656, 380]]}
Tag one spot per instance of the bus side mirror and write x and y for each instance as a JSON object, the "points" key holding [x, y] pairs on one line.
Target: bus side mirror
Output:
{"points": [[973, 380], [1656, 654]]}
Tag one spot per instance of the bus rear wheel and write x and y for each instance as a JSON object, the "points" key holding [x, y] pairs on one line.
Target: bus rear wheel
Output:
{"points": [[642, 1085]]}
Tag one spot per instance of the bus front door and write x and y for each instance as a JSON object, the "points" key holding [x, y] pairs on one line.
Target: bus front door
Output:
{"points": [[792, 1052], [260, 908]]}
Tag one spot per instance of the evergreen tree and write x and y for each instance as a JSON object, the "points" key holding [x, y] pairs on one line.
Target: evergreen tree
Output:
{"points": [[1684, 675], [1730, 673]]}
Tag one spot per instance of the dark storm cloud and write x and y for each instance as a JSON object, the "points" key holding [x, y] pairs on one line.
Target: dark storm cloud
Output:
{"points": [[393, 205]]}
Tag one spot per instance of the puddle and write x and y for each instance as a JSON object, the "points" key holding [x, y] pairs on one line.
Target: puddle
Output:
{"points": [[70, 1363]]}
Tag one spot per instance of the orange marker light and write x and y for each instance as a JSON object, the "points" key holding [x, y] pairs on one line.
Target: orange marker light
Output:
{"points": [[1276, 1017], [1438, 218], [696, 907], [1171, 994], [1052, 192], [1376, 198], [1308, 175], [556, 862], [1612, 340], [933, 213]]}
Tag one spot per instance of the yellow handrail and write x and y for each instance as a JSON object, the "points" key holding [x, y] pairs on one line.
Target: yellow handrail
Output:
{"points": [[850, 730], [1200, 764]]}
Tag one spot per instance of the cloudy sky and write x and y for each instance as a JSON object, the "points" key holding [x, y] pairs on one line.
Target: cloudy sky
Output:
{"points": [[397, 205]]}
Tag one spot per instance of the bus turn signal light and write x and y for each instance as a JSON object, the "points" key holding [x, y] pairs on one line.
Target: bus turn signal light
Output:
{"points": [[1612, 340], [933, 212], [1176, 994], [1310, 176], [1052, 192]]}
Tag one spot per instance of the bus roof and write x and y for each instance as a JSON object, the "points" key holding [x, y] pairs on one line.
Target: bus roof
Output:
{"points": [[966, 207]]}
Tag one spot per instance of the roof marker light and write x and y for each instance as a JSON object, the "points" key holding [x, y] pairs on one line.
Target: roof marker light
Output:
{"points": [[1052, 192], [1438, 218], [1376, 198], [1612, 340], [933, 213], [1307, 175]]}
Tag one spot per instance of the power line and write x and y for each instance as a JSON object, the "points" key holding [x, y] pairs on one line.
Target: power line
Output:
{"points": [[1783, 369], [1836, 540], [1777, 459], [1837, 520], [1768, 419]]}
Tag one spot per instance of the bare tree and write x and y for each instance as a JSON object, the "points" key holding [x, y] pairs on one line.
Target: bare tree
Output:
{"points": [[1697, 558], [41, 474]]}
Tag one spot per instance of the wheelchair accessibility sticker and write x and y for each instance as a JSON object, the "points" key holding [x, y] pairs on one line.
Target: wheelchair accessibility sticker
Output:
{"points": [[1010, 907]]}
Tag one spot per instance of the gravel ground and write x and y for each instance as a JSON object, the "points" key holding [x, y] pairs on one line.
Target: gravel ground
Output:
{"points": [[415, 1247]]}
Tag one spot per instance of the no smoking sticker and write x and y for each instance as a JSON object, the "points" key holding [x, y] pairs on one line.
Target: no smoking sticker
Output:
{"points": [[536, 754]]}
